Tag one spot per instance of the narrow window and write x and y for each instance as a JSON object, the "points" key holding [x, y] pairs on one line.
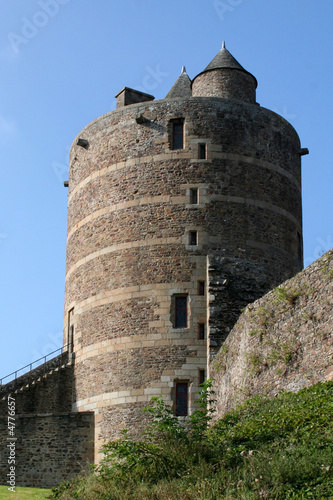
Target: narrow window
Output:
{"points": [[70, 331], [299, 246], [193, 238], [201, 376], [194, 196], [201, 287], [201, 331], [181, 399], [178, 134], [181, 312], [202, 151]]}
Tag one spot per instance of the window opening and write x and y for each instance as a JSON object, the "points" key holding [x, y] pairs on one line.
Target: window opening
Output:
{"points": [[193, 239], [202, 151], [194, 196], [70, 331], [181, 312], [201, 376], [201, 331], [299, 246], [178, 134], [201, 288], [181, 399]]}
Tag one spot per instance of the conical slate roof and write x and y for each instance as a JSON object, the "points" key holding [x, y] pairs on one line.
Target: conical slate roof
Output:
{"points": [[224, 59], [182, 87]]}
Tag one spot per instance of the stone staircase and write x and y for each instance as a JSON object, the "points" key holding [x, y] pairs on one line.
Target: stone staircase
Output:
{"points": [[35, 376]]}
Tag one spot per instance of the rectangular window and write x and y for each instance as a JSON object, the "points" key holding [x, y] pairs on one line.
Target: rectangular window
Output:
{"points": [[194, 196], [201, 287], [181, 312], [193, 238], [181, 399], [201, 376], [201, 331], [70, 331], [299, 246], [202, 151], [178, 134]]}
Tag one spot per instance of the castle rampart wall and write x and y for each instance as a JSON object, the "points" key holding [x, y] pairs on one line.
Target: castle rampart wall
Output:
{"points": [[33, 375], [50, 448], [281, 342], [41, 392], [51, 444]]}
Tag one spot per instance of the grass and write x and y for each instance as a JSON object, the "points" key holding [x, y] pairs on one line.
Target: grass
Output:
{"points": [[24, 493], [280, 448]]}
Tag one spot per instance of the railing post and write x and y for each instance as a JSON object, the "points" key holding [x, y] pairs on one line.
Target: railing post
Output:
{"points": [[42, 366]]}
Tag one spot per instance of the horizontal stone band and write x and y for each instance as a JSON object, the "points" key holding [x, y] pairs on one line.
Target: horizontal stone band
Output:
{"points": [[171, 156]]}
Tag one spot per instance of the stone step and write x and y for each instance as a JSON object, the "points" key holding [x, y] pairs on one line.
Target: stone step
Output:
{"points": [[35, 381]]}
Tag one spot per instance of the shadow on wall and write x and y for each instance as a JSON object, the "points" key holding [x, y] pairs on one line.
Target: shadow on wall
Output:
{"points": [[283, 341]]}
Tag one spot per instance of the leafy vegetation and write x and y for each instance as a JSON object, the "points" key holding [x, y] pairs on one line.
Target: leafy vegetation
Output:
{"points": [[284, 294], [280, 448]]}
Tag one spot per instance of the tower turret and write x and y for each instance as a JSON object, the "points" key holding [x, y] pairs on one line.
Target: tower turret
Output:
{"points": [[225, 77], [181, 211], [182, 87]]}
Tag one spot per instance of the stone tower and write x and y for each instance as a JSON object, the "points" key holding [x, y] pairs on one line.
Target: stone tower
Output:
{"points": [[180, 212]]}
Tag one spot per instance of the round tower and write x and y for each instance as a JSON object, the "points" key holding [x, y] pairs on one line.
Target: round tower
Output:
{"points": [[180, 212], [225, 77]]}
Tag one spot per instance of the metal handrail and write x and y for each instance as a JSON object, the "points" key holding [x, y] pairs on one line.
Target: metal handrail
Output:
{"points": [[61, 349]]}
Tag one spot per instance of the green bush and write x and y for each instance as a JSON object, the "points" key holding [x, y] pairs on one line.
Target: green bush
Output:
{"points": [[280, 448]]}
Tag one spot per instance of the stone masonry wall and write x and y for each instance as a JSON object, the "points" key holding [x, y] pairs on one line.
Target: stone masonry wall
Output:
{"points": [[51, 392], [128, 251], [49, 449], [233, 284], [283, 341], [33, 375], [226, 83]]}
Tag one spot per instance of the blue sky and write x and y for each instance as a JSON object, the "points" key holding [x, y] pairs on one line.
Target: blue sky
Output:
{"points": [[61, 64]]}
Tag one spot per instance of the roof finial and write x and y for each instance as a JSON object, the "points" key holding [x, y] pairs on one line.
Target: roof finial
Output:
{"points": [[183, 70], [223, 44]]}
